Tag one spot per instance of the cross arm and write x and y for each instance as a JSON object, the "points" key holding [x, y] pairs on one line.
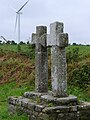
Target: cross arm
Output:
{"points": [[61, 40], [41, 40]]}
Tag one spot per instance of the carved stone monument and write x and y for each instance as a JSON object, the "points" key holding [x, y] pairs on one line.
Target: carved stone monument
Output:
{"points": [[56, 104], [58, 41], [41, 59]]}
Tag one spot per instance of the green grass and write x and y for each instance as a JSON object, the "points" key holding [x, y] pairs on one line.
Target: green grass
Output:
{"points": [[80, 93], [11, 89], [14, 48], [7, 47], [84, 51], [4, 115], [26, 50]]}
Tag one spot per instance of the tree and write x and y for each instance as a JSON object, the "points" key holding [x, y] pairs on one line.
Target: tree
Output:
{"points": [[27, 42], [74, 44], [13, 42], [21, 43], [0, 41], [8, 42]]}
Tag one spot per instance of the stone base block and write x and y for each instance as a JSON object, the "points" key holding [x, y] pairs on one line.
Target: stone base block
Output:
{"points": [[40, 106], [61, 116], [47, 98]]}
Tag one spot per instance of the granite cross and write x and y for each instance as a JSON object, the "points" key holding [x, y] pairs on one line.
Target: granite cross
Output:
{"points": [[41, 59], [58, 41]]}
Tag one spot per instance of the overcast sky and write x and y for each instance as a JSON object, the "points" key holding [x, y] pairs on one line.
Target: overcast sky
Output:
{"points": [[75, 14]]}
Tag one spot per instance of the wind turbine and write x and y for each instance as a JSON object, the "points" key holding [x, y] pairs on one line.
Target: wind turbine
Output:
{"points": [[18, 19], [4, 38]]}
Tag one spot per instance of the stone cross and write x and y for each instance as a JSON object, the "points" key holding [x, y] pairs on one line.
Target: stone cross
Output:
{"points": [[41, 59], [58, 41]]}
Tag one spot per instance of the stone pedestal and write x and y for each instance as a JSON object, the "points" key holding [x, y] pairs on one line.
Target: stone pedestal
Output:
{"points": [[43, 106]]}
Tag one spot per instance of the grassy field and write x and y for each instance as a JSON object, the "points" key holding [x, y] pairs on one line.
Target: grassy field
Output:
{"points": [[84, 51], [17, 74], [11, 89], [8, 47]]}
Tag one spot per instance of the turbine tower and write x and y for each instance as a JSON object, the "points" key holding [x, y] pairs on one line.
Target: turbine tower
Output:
{"points": [[18, 19]]}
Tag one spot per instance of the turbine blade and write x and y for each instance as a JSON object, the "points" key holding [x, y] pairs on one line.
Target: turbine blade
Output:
{"points": [[22, 6], [16, 22]]}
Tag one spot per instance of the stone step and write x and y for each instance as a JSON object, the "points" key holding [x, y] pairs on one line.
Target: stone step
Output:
{"points": [[49, 99], [69, 101], [33, 95], [33, 108], [24, 104]]}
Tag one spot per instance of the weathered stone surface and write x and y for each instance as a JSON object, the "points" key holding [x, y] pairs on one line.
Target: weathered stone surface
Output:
{"points": [[43, 116], [31, 106], [55, 29], [15, 100], [59, 71], [56, 109], [84, 110], [84, 115], [24, 102], [58, 41], [62, 40], [73, 108], [41, 61], [12, 109], [41, 39], [39, 108], [70, 100], [48, 98], [58, 62], [33, 117], [68, 116], [33, 95], [84, 106], [64, 112], [33, 38]]}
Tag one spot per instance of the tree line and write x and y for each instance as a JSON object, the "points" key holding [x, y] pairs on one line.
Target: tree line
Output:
{"points": [[12, 42]]}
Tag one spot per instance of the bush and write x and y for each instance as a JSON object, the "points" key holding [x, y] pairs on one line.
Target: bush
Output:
{"points": [[30, 52], [80, 76], [73, 56]]}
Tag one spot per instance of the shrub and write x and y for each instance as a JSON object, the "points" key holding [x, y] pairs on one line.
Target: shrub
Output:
{"points": [[73, 56], [80, 76]]}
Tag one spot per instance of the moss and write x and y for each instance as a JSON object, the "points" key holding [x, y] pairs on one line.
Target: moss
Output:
{"points": [[38, 100], [50, 104]]}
